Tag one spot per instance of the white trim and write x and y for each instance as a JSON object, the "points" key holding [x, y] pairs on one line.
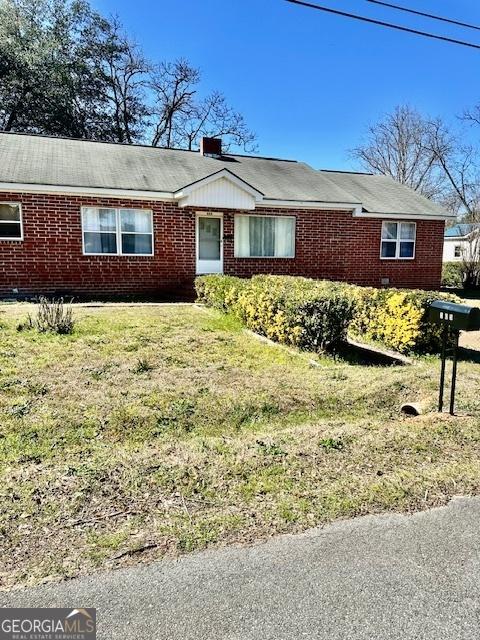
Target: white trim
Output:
{"points": [[101, 192], [207, 214], [97, 192], [397, 242], [259, 215], [10, 239], [223, 173], [167, 196], [118, 233], [402, 217]]}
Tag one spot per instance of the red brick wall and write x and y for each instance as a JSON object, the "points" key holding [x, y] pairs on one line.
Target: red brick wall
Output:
{"points": [[337, 246], [329, 244]]}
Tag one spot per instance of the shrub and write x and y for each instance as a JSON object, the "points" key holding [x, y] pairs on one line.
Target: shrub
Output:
{"points": [[398, 318], [313, 315], [218, 291], [453, 274], [52, 316], [317, 314]]}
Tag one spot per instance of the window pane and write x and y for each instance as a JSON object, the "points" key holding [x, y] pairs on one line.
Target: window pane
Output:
{"points": [[99, 219], [406, 249], [388, 249], [136, 220], [256, 236], [284, 237], [100, 242], [209, 238], [264, 236], [136, 243], [10, 230], [407, 231], [389, 231], [10, 212], [268, 237], [242, 236]]}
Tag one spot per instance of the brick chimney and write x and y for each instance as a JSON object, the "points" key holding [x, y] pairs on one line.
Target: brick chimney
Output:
{"points": [[211, 146]]}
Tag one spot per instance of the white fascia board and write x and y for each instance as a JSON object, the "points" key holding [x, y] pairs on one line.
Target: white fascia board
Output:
{"points": [[401, 216], [97, 192], [223, 173], [308, 204]]}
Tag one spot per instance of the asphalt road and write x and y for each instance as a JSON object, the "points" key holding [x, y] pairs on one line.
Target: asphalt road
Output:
{"points": [[372, 578]]}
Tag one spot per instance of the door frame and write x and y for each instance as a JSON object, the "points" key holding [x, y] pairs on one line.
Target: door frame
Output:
{"points": [[198, 269]]}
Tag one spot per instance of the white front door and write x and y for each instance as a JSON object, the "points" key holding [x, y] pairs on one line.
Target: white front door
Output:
{"points": [[209, 243]]}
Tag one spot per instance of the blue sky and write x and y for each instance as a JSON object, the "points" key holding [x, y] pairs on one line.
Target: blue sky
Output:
{"points": [[309, 83]]}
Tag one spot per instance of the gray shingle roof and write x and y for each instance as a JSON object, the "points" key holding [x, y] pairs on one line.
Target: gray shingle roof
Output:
{"points": [[40, 160], [382, 194]]}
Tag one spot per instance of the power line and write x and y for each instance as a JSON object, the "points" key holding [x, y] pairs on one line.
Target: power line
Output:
{"points": [[390, 25], [425, 15]]}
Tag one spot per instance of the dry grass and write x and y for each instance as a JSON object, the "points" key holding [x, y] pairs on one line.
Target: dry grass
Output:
{"points": [[154, 430]]}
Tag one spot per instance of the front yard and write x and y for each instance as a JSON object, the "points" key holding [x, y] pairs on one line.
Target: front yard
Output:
{"points": [[157, 430]]}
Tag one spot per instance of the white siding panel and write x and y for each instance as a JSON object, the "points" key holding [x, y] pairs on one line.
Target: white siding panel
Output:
{"points": [[449, 249], [222, 194]]}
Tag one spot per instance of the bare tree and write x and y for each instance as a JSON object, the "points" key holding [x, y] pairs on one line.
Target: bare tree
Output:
{"points": [[126, 70], [400, 146], [173, 86], [472, 115], [213, 117], [460, 165], [181, 118], [471, 260]]}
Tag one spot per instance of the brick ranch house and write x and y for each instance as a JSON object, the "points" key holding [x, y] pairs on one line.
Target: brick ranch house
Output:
{"points": [[101, 219]]}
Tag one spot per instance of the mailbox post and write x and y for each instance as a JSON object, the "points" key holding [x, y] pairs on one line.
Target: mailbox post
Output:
{"points": [[452, 318]]}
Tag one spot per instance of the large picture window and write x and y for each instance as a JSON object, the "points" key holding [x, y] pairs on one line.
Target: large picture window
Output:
{"points": [[398, 240], [117, 231], [10, 221], [264, 237]]}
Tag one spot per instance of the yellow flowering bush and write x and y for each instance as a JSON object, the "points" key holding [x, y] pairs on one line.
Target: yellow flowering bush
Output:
{"points": [[397, 318], [317, 314], [311, 314]]}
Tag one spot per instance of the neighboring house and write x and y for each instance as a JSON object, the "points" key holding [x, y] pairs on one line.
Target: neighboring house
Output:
{"points": [[101, 219], [461, 242]]}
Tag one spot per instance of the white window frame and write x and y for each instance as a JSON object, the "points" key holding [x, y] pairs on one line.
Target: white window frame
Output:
{"points": [[9, 238], [398, 240], [118, 232], [256, 215]]}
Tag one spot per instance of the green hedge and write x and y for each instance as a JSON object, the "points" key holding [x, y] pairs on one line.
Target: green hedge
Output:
{"points": [[316, 315], [310, 314], [453, 274]]}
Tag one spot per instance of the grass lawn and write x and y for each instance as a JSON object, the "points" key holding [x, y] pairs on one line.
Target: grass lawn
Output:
{"points": [[157, 430]]}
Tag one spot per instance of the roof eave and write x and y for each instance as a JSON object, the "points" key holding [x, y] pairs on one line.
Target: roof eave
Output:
{"points": [[410, 216], [309, 204]]}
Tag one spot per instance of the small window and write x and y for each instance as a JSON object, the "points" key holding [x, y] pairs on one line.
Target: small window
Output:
{"points": [[10, 221], [457, 251], [264, 237], [117, 231], [398, 240]]}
